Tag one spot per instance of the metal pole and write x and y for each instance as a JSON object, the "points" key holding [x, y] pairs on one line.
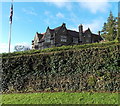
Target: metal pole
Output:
{"points": [[11, 14], [10, 36]]}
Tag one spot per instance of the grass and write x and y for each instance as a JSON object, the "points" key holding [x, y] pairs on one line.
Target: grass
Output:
{"points": [[61, 98]]}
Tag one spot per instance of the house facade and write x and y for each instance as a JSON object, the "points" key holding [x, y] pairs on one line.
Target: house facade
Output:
{"points": [[62, 36]]}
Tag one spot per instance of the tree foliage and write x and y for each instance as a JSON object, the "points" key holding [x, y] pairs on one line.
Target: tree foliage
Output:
{"points": [[109, 31], [21, 48]]}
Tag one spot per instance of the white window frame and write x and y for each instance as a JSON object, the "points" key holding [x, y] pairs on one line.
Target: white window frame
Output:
{"points": [[63, 38]]}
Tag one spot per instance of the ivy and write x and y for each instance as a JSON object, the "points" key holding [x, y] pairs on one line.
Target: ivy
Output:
{"points": [[88, 69]]}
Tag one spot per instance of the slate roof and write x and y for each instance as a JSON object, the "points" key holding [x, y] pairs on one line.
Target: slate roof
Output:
{"points": [[97, 36], [73, 33]]}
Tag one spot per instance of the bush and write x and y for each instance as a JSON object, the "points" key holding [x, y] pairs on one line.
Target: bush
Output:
{"points": [[82, 68]]}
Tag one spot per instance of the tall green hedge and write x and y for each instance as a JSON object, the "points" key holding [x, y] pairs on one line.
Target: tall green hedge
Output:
{"points": [[88, 69]]}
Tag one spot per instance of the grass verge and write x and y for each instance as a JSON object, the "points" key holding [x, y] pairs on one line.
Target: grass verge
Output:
{"points": [[61, 98]]}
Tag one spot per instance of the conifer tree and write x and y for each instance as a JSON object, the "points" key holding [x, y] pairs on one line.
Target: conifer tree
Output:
{"points": [[118, 22], [109, 31]]}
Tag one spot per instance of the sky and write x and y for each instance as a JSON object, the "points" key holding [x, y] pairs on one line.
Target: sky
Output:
{"points": [[31, 17]]}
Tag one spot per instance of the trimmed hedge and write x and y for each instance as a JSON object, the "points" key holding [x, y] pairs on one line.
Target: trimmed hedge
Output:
{"points": [[74, 47], [88, 69]]}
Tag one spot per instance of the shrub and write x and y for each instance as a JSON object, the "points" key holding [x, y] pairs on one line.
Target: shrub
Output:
{"points": [[82, 68]]}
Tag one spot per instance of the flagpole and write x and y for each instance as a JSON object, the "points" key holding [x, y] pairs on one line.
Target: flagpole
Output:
{"points": [[10, 36], [10, 30]]}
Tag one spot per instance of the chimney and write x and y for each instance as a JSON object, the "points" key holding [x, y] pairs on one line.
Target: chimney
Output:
{"points": [[80, 32], [63, 24], [99, 33]]}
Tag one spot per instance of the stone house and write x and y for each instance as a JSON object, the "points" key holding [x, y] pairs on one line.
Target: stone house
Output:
{"points": [[63, 36]]}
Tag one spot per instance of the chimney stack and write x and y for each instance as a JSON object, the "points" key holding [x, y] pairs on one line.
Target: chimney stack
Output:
{"points": [[80, 32], [99, 33], [81, 28], [64, 24]]}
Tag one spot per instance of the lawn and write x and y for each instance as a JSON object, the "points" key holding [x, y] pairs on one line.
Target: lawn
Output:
{"points": [[61, 98]]}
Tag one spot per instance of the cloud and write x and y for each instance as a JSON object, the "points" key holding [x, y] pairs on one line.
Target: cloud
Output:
{"points": [[58, 0], [4, 48], [60, 15], [94, 25], [24, 44], [30, 11], [46, 12], [95, 7], [64, 4], [60, 3]]}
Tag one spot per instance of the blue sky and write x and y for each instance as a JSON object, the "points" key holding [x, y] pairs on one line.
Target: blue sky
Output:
{"points": [[32, 17]]}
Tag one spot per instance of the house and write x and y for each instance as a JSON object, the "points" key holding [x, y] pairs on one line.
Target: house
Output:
{"points": [[63, 36]]}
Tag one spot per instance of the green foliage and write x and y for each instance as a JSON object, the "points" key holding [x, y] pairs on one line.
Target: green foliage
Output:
{"points": [[61, 98], [62, 48], [118, 22], [109, 31], [82, 68]]}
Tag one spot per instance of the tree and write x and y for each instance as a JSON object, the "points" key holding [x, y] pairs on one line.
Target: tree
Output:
{"points": [[21, 48], [109, 31], [118, 22]]}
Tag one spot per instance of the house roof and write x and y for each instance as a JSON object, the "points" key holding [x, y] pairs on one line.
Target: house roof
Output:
{"points": [[55, 29], [97, 36], [73, 33], [39, 36], [58, 28]]}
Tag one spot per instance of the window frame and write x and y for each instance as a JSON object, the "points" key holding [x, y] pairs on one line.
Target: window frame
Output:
{"points": [[63, 38], [47, 38]]}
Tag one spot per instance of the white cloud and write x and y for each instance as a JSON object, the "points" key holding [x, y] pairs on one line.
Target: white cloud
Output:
{"points": [[30, 11], [64, 4], [94, 25], [95, 7], [58, 0], [60, 15], [24, 44], [61, 4], [55, 0], [4, 48], [46, 12]]}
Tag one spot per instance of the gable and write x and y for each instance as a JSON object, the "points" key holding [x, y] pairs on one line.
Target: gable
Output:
{"points": [[62, 31], [48, 32], [87, 33]]}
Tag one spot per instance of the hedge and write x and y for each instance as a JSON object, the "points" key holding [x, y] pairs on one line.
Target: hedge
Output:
{"points": [[89, 69], [73, 47]]}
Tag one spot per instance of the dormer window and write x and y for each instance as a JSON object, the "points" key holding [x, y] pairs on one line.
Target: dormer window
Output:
{"points": [[63, 38]]}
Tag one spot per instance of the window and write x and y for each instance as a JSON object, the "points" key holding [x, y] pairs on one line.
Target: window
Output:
{"points": [[75, 40], [64, 38], [52, 42], [87, 40], [36, 46], [41, 44], [47, 38]]}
